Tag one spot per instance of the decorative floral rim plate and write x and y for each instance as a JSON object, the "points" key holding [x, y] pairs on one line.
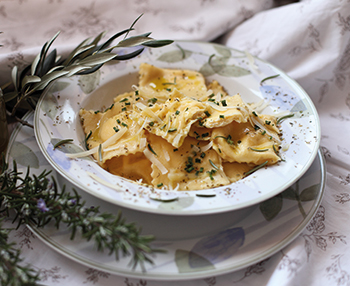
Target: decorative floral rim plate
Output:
{"points": [[57, 118], [266, 229]]}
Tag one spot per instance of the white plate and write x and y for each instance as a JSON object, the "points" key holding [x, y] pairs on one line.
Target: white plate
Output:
{"points": [[243, 243], [57, 117]]}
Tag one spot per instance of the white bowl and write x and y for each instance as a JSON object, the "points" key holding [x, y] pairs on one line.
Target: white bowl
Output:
{"points": [[57, 118]]}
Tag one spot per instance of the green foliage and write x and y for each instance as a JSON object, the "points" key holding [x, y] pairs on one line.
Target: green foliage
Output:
{"points": [[90, 55], [37, 200]]}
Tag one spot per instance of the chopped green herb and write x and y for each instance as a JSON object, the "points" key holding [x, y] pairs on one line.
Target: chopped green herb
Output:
{"points": [[160, 185], [124, 124], [206, 195], [124, 109], [115, 129], [263, 133], [62, 142], [176, 149], [189, 169], [211, 163], [205, 135], [223, 102], [267, 122], [136, 93], [255, 169], [86, 139], [110, 107], [168, 89], [177, 112], [258, 150], [197, 160], [222, 116], [150, 148], [172, 130], [207, 113], [211, 99], [137, 98], [267, 78], [151, 123], [97, 111], [100, 152], [127, 103], [212, 95], [254, 113], [256, 127], [118, 121], [124, 99], [284, 117], [211, 173], [153, 100]]}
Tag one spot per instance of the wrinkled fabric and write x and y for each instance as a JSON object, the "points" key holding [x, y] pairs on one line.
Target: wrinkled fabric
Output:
{"points": [[309, 40]]}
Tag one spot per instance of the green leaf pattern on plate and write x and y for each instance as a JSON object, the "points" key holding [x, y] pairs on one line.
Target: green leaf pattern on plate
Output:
{"points": [[24, 156], [272, 207], [217, 64], [222, 50], [89, 82], [179, 204], [187, 261], [175, 56], [49, 106]]}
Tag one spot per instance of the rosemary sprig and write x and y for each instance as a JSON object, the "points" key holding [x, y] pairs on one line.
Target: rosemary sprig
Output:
{"points": [[28, 84], [11, 271], [37, 200]]}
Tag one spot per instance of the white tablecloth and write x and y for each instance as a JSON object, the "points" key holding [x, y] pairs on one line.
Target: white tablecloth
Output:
{"points": [[310, 40]]}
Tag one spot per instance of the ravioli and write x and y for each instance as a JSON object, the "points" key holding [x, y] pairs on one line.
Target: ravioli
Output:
{"points": [[174, 131], [188, 167]]}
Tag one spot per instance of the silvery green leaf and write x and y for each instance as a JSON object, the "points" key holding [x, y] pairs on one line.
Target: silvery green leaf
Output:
{"points": [[49, 43], [30, 79], [78, 52], [35, 64], [97, 59], [55, 68], [111, 39], [8, 96], [91, 70], [157, 43], [71, 55], [134, 41], [46, 79], [49, 62], [76, 69], [14, 75], [129, 56]]}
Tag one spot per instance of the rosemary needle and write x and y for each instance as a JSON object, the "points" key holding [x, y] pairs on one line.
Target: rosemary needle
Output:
{"points": [[59, 143], [255, 169]]}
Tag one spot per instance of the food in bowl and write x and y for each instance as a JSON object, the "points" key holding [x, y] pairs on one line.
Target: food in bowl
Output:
{"points": [[175, 131]]}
